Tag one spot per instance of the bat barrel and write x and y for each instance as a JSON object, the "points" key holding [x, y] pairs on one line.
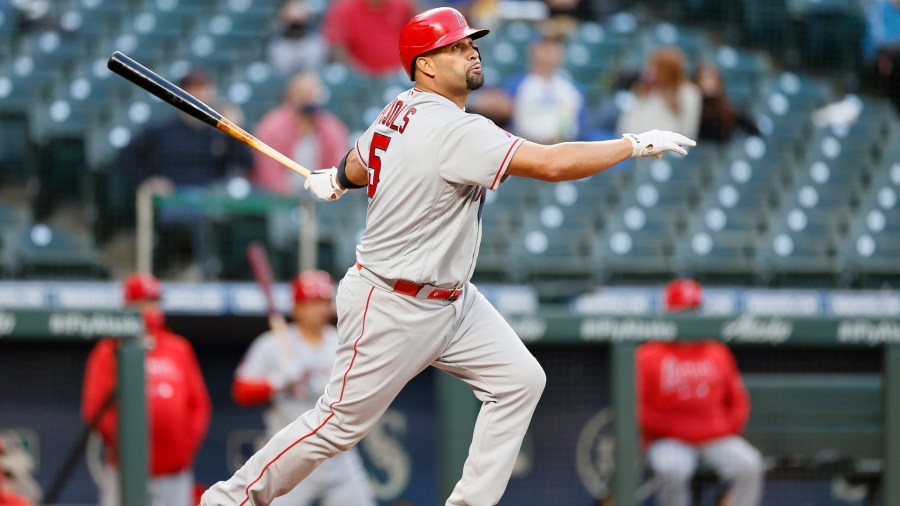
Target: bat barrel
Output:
{"points": [[158, 86]]}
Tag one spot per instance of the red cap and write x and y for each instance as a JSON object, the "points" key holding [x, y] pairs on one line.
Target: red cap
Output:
{"points": [[312, 285], [683, 294], [433, 29], [140, 287]]}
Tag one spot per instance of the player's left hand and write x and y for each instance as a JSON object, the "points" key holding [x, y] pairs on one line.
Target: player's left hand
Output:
{"points": [[656, 142], [323, 183]]}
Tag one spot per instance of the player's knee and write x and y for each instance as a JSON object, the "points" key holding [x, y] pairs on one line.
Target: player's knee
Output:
{"points": [[673, 473], [750, 464], [534, 380]]}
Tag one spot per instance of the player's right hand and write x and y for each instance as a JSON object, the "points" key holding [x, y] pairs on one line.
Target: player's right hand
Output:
{"points": [[323, 184], [655, 142]]}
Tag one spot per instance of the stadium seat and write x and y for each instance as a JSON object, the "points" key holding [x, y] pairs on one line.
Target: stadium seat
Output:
{"points": [[828, 33], [557, 261], [629, 257], [788, 258], [715, 257], [764, 23], [40, 252], [869, 260]]}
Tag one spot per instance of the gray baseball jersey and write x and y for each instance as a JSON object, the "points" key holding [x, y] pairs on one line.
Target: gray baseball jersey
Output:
{"points": [[340, 480], [429, 163]]}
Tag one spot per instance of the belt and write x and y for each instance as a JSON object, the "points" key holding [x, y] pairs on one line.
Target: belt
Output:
{"points": [[413, 289]]}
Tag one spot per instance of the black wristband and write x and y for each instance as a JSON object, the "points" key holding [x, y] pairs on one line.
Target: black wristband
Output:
{"points": [[342, 178]]}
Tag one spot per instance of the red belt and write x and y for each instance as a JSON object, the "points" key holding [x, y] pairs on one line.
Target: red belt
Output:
{"points": [[413, 289]]}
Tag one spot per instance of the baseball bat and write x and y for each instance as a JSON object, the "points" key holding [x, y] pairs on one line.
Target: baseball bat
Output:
{"points": [[183, 101], [262, 273]]}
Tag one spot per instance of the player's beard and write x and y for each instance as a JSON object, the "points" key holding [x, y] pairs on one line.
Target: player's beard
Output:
{"points": [[474, 81]]}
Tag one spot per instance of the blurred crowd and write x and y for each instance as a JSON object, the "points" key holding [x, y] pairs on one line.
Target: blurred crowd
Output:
{"points": [[544, 102]]}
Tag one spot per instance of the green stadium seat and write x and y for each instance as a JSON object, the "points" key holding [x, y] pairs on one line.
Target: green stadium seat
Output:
{"points": [[557, 261], [40, 252], [788, 258], [716, 257], [691, 41], [764, 23], [630, 257], [828, 33]]}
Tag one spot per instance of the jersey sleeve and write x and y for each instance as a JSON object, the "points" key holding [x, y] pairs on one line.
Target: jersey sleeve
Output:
{"points": [[260, 359], [476, 151]]}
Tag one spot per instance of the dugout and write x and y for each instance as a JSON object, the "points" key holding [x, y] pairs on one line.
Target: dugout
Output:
{"points": [[418, 451]]}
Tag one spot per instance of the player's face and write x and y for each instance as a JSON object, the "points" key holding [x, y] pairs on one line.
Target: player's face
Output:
{"points": [[460, 61]]}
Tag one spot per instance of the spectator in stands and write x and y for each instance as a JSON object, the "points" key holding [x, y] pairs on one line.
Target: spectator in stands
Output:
{"points": [[718, 117], [547, 107], [495, 104], [287, 372], [364, 33], [301, 128], [186, 154], [296, 47], [663, 97], [692, 405], [882, 45], [178, 405]]}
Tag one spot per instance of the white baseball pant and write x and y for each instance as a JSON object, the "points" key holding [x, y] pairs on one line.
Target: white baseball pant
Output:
{"points": [[386, 339], [166, 490], [736, 461]]}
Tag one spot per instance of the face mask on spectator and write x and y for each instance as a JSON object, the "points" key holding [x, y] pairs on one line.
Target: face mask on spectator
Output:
{"points": [[309, 109], [295, 29]]}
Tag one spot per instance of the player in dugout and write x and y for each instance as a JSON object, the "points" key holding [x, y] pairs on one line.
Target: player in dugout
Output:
{"points": [[288, 372], [407, 304], [693, 406], [178, 404]]}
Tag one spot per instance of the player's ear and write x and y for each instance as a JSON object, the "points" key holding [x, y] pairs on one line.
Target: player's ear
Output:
{"points": [[425, 65]]}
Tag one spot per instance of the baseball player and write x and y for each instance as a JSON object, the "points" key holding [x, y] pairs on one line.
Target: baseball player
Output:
{"points": [[290, 374], [408, 304], [693, 406], [178, 403]]}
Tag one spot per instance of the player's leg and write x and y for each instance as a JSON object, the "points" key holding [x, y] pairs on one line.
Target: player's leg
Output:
{"points": [[305, 493], [486, 353], [673, 463], [386, 339], [739, 463], [108, 487], [349, 483], [173, 489]]}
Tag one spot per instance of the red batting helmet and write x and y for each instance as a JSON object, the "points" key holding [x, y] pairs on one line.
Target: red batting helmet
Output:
{"points": [[430, 30], [683, 294], [140, 287], [312, 285]]}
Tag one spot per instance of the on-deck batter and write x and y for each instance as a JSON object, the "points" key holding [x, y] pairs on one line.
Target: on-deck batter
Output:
{"points": [[408, 303], [289, 373]]}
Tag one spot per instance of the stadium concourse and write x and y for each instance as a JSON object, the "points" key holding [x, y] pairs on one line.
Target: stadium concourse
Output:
{"points": [[793, 218]]}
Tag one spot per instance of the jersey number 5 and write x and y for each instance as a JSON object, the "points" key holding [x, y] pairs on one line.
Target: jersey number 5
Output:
{"points": [[381, 142]]}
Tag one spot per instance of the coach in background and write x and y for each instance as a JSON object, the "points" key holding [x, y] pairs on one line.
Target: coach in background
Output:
{"points": [[178, 404], [692, 406], [288, 373]]}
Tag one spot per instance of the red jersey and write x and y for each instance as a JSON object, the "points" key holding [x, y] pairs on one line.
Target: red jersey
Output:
{"points": [[178, 403], [691, 391], [369, 30]]}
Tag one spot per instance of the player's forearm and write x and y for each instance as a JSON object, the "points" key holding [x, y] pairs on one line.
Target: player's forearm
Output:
{"points": [[568, 160], [355, 171]]}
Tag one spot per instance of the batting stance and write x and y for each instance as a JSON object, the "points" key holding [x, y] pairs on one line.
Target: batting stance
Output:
{"points": [[408, 304], [289, 372]]}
